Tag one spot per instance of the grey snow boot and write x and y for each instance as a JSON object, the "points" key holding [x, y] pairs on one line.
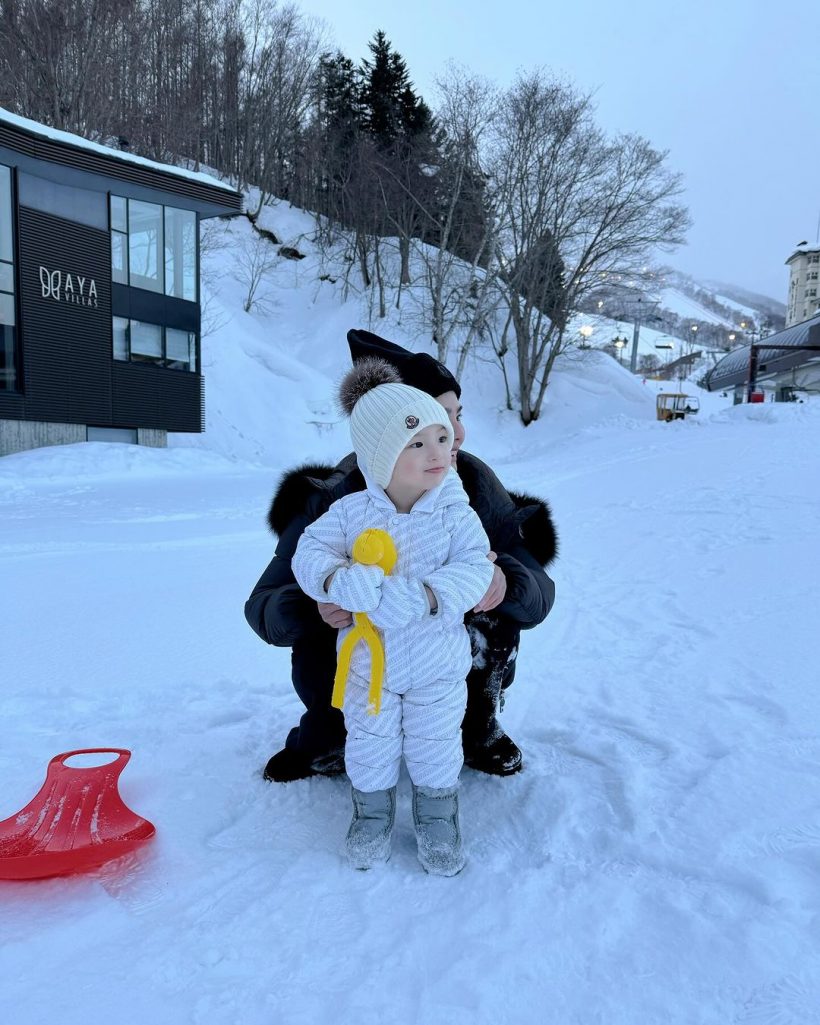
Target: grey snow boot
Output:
{"points": [[435, 816], [368, 839]]}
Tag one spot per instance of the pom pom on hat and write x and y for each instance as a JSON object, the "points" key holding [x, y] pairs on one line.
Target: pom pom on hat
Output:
{"points": [[366, 374], [385, 415]]}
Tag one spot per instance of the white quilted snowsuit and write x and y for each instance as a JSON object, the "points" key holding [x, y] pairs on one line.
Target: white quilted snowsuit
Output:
{"points": [[442, 544]]}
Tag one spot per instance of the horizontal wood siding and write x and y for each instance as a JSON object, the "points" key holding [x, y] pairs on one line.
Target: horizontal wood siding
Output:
{"points": [[66, 347], [69, 373], [42, 148]]}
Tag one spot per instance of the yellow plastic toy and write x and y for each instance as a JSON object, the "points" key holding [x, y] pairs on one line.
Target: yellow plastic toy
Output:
{"points": [[372, 548]]}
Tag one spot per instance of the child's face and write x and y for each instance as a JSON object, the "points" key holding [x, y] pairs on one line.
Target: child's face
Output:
{"points": [[424, 462]]}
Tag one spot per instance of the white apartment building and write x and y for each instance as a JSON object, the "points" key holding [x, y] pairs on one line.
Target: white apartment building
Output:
{"points": [[804, 283]]}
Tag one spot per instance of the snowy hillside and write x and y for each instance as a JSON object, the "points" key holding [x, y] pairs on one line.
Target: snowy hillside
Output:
{"points": [[682, 315], [290, 353], [678, 302], [654, 864], [718, 303]]}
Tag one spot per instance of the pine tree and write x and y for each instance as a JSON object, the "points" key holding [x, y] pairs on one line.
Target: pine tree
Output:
{"points": [[391, 110], [385, 79], [340, 102]]}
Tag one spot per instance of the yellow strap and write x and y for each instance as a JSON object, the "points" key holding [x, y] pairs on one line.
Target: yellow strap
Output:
{"points": [[343, 668], [374, 642], [372, 547], [362, 631]]}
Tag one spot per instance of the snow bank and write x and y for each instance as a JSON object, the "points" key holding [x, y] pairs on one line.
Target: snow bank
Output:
{"points": [[96, 459]]}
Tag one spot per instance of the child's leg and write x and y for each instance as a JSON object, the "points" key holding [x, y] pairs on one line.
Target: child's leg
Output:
{"points": [[373, 748], [431, 722], [372, 759], [368, 840]]}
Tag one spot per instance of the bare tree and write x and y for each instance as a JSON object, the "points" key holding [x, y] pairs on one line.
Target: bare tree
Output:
{"points": [[256, 257], [279, 62], [573, 206], [648, 363], [459, 269], [53, 60]]}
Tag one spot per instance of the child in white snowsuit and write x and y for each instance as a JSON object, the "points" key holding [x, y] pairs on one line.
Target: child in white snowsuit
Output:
{"points": [[402, 441]]}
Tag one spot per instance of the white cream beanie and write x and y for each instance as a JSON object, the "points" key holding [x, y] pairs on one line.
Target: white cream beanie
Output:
{"points": [[385, 415]]}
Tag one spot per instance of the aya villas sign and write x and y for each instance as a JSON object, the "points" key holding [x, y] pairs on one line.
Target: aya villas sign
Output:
{"points": [[73, 289]]}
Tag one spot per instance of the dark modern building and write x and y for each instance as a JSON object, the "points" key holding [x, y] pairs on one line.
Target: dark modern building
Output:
{"points": [[99, 290]]}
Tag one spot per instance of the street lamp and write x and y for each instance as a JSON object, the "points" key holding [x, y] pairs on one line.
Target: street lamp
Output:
{"points": [[585, 333], [619, 344]]}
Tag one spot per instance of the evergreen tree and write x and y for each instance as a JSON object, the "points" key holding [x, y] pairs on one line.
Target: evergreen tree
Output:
{"points": [[384, 79], [391, 110], [340, 102]]}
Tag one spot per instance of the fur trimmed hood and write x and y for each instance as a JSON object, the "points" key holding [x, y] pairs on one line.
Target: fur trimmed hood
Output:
{"points": [[508, 517], [299, 489], [536, 527]]}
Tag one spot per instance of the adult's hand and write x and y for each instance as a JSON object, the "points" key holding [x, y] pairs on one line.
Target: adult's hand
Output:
{"points": [[496, 591], [334, 615]]}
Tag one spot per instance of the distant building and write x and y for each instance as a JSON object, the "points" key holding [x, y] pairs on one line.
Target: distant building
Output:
{"points": [[99, 290], [804, 283], [783, 373]]}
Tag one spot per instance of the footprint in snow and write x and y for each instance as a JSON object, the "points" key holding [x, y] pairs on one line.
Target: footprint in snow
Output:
{"points": [[632, 741], [781, 841], [791, 1000]]}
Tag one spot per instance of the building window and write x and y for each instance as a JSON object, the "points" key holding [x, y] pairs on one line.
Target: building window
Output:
{"points": [[118, 435], [145, 245], [119, 240], [180, 253], [154, 247], [121, 338], [8, 332], [180, 349], [136, 341], [145, 342]]}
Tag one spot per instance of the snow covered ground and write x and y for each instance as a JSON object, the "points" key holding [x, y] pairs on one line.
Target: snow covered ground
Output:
{"points": [[655, 862]]}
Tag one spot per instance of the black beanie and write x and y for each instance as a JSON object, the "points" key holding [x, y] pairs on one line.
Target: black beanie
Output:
{"points": [[418, 369]]}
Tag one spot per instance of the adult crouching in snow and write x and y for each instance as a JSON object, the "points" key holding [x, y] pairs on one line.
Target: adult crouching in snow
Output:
{"points": [[523, 542]]}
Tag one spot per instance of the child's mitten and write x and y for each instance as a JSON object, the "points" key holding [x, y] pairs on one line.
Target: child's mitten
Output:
{"points": [[357, 588], [402, 602]]}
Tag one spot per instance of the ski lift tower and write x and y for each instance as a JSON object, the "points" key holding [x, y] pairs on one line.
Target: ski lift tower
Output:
{"points": [[644, 312]]}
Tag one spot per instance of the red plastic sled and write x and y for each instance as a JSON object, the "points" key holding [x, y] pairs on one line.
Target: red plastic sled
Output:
{"points": [[76, 822]]}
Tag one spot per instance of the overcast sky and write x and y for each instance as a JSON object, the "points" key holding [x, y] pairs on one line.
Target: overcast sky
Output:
{"points": [[730, 87]]}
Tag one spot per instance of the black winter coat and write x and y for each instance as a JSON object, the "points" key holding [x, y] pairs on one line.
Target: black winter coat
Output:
{"points": [[519, 527]]}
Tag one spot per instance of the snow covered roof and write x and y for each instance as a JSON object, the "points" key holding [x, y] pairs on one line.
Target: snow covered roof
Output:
{"points": [[804, 247], [734, 367], [67, 138]]}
